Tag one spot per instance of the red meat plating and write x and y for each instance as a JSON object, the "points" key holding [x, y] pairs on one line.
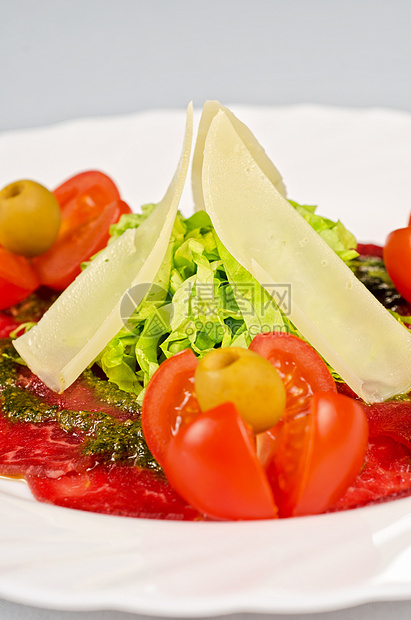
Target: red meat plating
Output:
{"points": [[115, 490]]}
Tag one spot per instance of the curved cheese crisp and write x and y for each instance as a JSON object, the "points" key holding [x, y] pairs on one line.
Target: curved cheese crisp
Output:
{"points": [[89, 312], [331, 308], [210, 109]]}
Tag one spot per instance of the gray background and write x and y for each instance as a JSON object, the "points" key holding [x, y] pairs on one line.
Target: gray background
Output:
{"points": [[66, 59], [61, 59]]}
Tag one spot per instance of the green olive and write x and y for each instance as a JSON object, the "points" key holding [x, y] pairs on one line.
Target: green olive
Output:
{"points": [[244, 378], [29, 218]]}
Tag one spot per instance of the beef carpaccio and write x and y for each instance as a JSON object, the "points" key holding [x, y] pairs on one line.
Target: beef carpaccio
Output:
{"points": [[82, 449], [85, 449]]}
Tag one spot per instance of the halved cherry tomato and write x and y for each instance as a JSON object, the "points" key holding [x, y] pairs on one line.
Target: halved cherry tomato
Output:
{"points": [[17, 279], [298, 364], [90, 203], [303, 373], [397, 259], [59, 266], [212, 464], [198, 449], [169, 401], [319, 454]]}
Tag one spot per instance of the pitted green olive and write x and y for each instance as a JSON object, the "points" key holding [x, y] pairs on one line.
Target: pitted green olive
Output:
{"points": [[244, 378], [29, 218]]}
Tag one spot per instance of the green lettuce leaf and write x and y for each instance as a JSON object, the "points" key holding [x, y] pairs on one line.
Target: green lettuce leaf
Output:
{"points": [[202, 298], [334, 233]]}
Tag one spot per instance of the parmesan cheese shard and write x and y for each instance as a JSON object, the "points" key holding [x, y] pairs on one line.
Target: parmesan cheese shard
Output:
{"points": [[331, 308], [210, 109], [85, 317]]}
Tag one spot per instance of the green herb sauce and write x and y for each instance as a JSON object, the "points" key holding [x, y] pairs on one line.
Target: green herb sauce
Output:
{"points": [[105, 436]]}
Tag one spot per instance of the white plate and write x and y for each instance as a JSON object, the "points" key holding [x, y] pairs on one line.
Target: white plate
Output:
{"points": [[356, 166]]}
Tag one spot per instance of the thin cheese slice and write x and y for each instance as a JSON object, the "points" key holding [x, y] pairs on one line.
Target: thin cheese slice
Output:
{"points": [[90, 312], [345, 323], [210, 109]]}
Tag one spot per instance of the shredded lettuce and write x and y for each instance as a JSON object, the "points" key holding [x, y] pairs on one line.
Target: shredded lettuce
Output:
{"points": [[202, 298], [334, 233]]}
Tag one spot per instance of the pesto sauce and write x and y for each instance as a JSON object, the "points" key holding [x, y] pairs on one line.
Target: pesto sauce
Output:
{"points": [[104, 435], [8, 373], [111, 394]]}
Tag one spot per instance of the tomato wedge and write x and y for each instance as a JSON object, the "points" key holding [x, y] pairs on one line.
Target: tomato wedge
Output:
{"points": [[83, 196], [298, 364], [90, 202], [212, 464], [319, 454], [169, 401], [59, 266], [303, 373], [17, 279], [397, 259]]}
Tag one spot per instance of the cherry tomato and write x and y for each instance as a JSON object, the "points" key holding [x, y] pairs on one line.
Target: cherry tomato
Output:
{"points": [[397, 259], [169, 401], [83, 196], [310, 457], [178, 432], [17, 279], [89, 203], [212, 464], [298, 364], [303, 373], [319, 454]]}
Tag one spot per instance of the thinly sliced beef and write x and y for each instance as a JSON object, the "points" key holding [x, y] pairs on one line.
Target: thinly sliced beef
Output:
{"points": [[369, 249], [57, 470], [42, 449], [115, 490], [386, 475], [392, 419]]}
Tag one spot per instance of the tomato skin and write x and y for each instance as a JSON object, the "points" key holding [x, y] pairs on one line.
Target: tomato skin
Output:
{"points": [[319, 455], [212, 464], [17, 279], [168, 401], [397, 259]]}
